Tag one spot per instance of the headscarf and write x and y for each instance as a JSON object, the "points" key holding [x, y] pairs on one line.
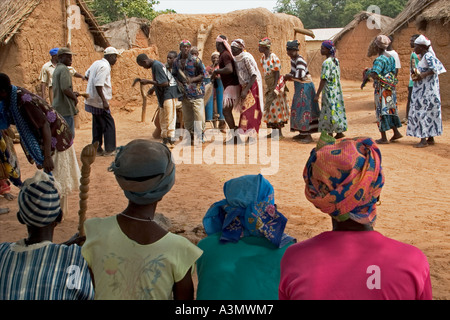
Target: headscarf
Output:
{"points": [[265, 42], [225, 43], [422, 40], [238, 43], [185, 43], [345, 179], [215, 53], [248, 210], [330, 46], [292, 45], [438, 66], [144, 170], [39, 200], [382, 41]]}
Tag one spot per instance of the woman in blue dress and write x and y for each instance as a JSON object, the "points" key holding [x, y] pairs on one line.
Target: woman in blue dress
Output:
{"points": [[425, 116]]}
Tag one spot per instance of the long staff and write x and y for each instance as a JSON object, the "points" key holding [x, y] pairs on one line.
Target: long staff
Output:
{"points": [[88, 155]]}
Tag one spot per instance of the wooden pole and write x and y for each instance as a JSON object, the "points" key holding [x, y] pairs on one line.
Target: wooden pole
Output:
{"points": [[144, 103], [88, 155]]}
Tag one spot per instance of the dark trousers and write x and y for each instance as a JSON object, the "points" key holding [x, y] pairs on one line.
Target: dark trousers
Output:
{"points": [[103, 126]]}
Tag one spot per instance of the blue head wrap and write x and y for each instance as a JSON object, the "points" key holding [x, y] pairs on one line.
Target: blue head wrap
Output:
{"points": [[248, 210], [330, 46], [144, 170], [54, 51]]}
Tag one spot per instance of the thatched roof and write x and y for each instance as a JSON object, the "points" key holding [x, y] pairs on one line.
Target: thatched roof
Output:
{"points": [[94, 27], [439, 10], [412, 9], [14, 13], [384, 22], [418, 11], [122, 34]]}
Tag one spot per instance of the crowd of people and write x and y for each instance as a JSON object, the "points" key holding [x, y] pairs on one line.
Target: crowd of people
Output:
{"points": [[246, 253]]}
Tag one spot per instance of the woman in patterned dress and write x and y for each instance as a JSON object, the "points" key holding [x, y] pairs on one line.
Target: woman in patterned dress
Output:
{"points": [[305, 111], [383, 73], [332, 116], [276, 110], [425, 116]]}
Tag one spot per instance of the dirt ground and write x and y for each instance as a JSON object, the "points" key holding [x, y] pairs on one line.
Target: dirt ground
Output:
{"points": [[414, 209]]}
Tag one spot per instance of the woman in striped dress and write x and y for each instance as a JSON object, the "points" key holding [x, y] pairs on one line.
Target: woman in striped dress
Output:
{"points": [[305, 111]]}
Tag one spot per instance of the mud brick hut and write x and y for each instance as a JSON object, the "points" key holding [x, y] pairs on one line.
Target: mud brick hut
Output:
{"points": [[352, 43], [128, 33], [313, 45], [167, 31], [432, 19], [30, 28]]}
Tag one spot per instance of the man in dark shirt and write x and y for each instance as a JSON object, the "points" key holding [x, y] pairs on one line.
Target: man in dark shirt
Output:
{"points": [[190, 71], [167, 93], [64, 98]]}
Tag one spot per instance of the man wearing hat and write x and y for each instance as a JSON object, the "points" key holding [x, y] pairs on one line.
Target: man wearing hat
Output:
{"points": [[64, 98], [46, 74], [35, 268], [100, 93]]}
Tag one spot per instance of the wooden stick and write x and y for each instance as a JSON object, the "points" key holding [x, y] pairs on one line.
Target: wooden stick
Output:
{"points": [[144, 103], [304, 31], [88, 155]]}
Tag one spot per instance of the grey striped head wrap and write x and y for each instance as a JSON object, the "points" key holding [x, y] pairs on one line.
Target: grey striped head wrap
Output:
{"points": [[39, 200]]}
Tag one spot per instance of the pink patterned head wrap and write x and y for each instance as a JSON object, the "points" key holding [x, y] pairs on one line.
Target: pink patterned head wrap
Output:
{"points": [[225, 43], [382, 41], [345, 179]]}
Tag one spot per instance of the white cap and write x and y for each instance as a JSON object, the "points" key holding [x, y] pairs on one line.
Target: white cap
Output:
{"points": [[111, 50]]}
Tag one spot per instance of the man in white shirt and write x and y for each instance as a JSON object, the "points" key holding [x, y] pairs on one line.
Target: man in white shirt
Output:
{"points": [[394, 54], [100, 93]]}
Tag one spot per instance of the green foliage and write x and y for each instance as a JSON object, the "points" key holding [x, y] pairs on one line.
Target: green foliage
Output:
{"points": [[335, 13], [114, 10]]}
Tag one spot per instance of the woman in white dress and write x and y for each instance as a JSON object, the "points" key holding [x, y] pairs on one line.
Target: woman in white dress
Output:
{"points": [[425, 116]]}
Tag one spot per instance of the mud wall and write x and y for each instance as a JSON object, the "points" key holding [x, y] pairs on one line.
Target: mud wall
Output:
{"points": [[44, 29], [166, 31], [124, 72], [351, 50]]}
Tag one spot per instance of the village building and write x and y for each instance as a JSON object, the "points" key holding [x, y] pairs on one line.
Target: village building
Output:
{"points": [[167, 31], [314, 58], [354, 39], [128, 33]]}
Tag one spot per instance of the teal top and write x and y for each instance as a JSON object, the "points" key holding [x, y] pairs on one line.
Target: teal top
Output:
{"points": [[245, 270], [416, 60]]}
